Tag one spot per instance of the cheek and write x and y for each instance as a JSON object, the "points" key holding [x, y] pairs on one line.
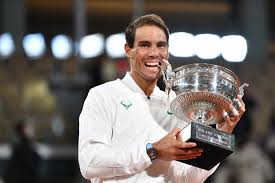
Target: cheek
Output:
{"points": [[141, 65], [139, 61], [136, 64], [164, 55]]}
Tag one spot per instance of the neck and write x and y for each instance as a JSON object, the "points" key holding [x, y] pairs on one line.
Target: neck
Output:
{"points": [[146, 85]]}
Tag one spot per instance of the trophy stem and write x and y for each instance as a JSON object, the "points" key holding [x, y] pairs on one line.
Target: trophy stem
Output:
{"points": [[200, 116]]}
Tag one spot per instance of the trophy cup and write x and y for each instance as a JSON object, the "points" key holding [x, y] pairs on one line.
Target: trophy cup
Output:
{"points": [[202, 92]]}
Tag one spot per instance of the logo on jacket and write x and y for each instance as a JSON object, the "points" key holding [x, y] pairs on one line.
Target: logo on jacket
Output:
{"points": [[127, 104], [169, 112]]}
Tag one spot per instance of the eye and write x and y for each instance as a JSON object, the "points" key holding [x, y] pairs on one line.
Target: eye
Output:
{"points": [[162, 45], [144, 45]]}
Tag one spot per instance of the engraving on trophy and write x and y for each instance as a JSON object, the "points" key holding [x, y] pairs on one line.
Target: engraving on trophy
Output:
{"points": [[206, 134]]}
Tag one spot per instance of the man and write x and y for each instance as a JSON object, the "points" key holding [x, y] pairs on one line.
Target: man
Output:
{"points": [[24, 162], [126, 133]]}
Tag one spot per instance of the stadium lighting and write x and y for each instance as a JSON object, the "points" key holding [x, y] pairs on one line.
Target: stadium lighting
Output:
{"points": [[91, 46], [62, 47], [181, 44], [207, 46], [34, 45], [7, 46], [115, 45], [234, 48]]}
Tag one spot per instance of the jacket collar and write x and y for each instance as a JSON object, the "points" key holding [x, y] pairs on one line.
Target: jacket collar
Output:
{"points": [[132, 85]]}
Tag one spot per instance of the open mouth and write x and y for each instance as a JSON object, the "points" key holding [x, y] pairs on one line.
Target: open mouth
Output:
{"points": [[152, 64]]}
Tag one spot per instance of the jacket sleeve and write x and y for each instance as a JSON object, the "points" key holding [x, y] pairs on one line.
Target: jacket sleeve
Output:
{"points": [[184, 173], [96, 155]]}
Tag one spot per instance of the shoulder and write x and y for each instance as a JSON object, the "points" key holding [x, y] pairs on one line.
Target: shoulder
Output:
{"points": [[107, 87], [107, 90]]}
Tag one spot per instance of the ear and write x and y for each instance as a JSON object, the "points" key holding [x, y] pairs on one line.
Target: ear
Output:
{"points": [[128, 51]]}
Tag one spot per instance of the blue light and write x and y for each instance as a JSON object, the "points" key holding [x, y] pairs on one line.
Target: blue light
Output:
{"points": [[62, 47], [91, 46], [115, 45], [34, 45], [7, 46]]}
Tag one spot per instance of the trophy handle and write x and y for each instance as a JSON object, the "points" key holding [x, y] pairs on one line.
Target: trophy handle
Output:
{"points": [[236, 103], [241, 88], [168, 75]]}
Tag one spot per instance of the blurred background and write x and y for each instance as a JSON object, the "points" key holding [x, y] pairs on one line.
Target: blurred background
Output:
{"points": [[53, 52]]}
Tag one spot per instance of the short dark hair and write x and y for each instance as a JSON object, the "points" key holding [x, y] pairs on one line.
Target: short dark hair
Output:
{"points": [[150, 19]]}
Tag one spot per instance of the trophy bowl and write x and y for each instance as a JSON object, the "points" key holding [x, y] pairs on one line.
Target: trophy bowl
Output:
{"points": [[202, 92]]}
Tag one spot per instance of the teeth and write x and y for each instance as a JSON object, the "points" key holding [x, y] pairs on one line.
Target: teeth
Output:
{"points": [[151, 64]]}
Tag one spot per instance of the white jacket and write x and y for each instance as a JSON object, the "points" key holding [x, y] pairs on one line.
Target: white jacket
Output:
{"points": [[116, 123]]}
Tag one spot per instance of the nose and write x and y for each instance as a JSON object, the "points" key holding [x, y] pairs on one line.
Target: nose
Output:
{"points": [[153, 51]]}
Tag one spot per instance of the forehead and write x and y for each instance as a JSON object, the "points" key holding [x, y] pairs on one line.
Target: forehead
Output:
{"points": [[150, 33]]}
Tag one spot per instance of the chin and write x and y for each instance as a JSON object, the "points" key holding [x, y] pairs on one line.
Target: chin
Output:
{"points": [[153, 77], [149, 75]]}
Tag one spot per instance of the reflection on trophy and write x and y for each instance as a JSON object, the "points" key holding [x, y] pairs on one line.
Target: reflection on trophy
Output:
{"points": [[202, 92]]}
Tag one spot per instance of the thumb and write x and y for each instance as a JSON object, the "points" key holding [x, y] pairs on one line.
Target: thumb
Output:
{"points": [[175, 131]]}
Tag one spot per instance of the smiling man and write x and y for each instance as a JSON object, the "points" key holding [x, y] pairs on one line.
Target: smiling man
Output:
{"points": [[150, 46], [126, 133]]}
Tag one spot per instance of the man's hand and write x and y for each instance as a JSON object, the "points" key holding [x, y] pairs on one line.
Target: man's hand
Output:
{"points": [[170, 148], [232, 117]]}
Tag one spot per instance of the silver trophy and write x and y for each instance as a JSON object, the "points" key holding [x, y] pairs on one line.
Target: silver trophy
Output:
{"points": [[202, 92]]}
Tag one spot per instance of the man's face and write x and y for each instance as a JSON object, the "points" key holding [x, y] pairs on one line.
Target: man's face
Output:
{"points": [[150, 47]]}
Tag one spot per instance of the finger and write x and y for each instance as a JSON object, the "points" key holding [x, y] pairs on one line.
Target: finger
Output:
{"points": [[233, 112], [186, 157], [239, 97], [189, 151], [241, 104], [175, 132], [228, 116], [229, 120], [241, 110], [225, 114], [184, 145], [237, 104]]}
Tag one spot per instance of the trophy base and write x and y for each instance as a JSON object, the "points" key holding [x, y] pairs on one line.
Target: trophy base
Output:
{"points": [[216, 144]]}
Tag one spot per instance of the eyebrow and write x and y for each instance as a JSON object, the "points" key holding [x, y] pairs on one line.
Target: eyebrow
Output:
{"points": [[163, 42], [159, 42], [140, 42]]}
